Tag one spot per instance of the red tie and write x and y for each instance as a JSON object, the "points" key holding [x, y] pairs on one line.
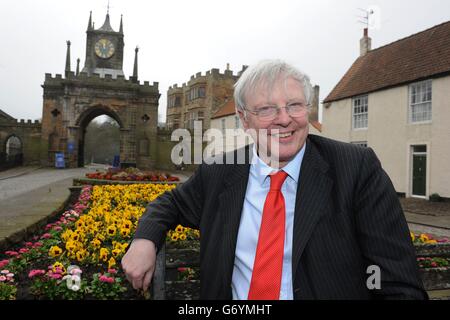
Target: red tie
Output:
{"points": [[266, 276]]}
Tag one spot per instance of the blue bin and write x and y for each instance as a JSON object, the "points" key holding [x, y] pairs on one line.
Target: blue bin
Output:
{"points": [[116, 161], [59, 160]]}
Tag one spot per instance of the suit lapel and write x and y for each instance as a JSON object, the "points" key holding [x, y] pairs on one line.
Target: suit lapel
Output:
{"points": [[311, 203], [231, 202]]}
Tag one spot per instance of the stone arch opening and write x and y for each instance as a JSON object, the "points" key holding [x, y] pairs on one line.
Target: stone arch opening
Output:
{"points": [[86, 124], [13, 151]]}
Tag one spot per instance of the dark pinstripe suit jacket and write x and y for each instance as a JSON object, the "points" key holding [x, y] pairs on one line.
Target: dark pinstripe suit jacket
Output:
{"points": [[347, 217]]}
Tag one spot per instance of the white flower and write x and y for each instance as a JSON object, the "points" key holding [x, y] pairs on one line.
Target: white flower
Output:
{"points": [[75, 288], [73, 282]]}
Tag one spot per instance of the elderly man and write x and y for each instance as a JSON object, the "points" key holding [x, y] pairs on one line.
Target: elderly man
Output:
{"points": [[305, 218]]}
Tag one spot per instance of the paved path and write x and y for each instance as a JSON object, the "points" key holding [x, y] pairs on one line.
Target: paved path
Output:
{"points": [[438, 226], [30, 194]]}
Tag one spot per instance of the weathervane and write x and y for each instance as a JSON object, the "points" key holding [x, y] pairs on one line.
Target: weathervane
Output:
{"points": [[108, 7]]}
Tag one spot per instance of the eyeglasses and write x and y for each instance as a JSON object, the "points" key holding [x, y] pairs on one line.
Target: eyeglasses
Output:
{"points": [[269, 113]]}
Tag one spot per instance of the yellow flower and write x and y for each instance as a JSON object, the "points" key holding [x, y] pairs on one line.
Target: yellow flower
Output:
{"points": [[431, 242], [174, 236], [183, 236], [103, 254], [413, 237], [60, 266], [116, 252], [111, 263], [81, 255], [179, 229], [111, 230], [127, 224], [71, 245], [424, 237], [124, 232], [55, 251], [96, 243]]}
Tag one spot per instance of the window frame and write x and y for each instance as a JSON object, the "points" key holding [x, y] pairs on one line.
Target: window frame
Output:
{"points": [[428, 84], [354, 114]]}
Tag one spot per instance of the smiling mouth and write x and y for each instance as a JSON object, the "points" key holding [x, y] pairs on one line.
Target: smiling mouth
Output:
{"points": [[283, 135]]}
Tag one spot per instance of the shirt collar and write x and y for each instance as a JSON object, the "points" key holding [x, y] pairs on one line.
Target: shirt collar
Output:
{"points": [[261, 170]]}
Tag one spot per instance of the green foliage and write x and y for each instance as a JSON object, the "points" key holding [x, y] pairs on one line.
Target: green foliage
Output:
{"points": [[435, 197], [102, 141], [7, 291], [103, 290]]}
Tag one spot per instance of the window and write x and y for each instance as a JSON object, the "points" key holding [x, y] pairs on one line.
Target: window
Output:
{"points": [[236, 122], [360, 112], [360, 143], [192, 117], [223, 126], [201, 92], [174, 101], [197, 92], [420, 101]]}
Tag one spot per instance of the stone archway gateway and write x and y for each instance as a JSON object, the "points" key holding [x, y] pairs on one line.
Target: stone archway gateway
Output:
{"points": [[83, 122], [71, 102]]}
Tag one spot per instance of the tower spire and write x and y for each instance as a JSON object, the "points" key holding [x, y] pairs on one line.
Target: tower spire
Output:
{"points": [[121, 25], [135, 69], [90, 26], [67, 70]]}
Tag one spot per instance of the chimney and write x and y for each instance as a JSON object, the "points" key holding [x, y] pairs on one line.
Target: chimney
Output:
{"points": [[365, 44], [228, 66]]}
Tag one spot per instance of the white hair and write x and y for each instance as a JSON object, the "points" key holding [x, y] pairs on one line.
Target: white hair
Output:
{"points": [[266, 73]]}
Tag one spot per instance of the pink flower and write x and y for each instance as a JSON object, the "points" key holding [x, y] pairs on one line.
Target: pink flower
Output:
{"points": [[24, 250], [3, 263], [36, 272], [2, 278], [58, 270], [56, 276], [37, 244], [11, 253], [420, 259], [57, 228], [106, 279], [28, 244], [112, 271], [434, 264], [46, 236], [4, 271]]}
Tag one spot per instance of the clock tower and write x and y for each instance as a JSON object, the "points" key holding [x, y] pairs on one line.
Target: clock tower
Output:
{"points": [[73, 101], [104, 49]]}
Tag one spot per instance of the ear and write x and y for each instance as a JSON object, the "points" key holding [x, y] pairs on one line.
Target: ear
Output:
{"points": [[243, 118]]}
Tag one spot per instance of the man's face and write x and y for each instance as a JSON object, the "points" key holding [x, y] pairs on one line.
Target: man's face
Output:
{"points": [[285, 135]]}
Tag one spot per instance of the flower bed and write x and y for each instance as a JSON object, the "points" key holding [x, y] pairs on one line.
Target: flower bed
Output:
{"points": [[78, 254], [131, 174]]}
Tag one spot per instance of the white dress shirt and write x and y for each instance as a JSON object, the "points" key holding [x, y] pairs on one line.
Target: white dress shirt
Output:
{"points": [[247, 240]]}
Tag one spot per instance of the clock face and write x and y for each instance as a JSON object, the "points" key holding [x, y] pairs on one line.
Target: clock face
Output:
{"points": [[104, 48]]}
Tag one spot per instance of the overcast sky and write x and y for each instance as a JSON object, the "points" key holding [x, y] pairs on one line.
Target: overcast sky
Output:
{"points": [[179, 38]]}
